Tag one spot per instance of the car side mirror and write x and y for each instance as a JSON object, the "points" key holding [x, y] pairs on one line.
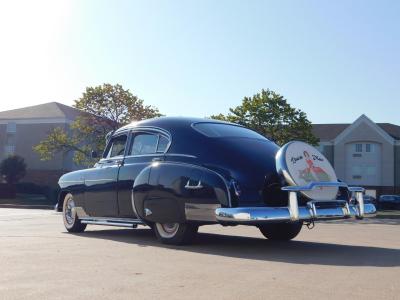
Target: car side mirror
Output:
{"points": [[94, 154]]}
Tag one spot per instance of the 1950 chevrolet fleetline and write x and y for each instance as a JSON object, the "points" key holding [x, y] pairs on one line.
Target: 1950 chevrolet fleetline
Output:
{"points": [[175, 174]]}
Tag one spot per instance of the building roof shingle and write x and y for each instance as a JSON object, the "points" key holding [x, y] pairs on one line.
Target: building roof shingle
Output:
{"points": [[49, 110], [328, 132]]}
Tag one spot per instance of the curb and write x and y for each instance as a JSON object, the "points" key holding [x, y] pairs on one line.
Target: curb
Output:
{"points": [[27, 206]]}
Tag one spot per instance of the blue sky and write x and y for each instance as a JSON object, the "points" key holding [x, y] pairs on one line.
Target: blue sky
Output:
{"points": [[333, 59]]}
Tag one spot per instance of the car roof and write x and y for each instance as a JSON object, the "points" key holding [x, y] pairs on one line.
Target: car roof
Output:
{"points": [[171, 122]]}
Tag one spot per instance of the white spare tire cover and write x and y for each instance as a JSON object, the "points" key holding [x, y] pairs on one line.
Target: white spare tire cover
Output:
{"points": [[301, 164]]}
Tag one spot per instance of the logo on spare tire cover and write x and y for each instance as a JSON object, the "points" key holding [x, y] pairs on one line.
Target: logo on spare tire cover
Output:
{"points": [[306, 164]]}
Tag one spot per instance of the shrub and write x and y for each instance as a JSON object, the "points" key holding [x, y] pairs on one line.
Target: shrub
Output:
{"points": [[7, 191], [51, 193], [13, 169]]}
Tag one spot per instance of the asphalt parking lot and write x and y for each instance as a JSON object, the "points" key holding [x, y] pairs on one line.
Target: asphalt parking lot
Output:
{"points": [[39, 260]]}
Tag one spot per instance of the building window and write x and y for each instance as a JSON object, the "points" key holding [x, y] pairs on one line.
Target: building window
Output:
{"points": [[11, 127], [369, 148], [9, 150], [358, 147]]}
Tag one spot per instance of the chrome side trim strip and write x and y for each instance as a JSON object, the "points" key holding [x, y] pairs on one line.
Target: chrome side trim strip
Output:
{"points": [[103, 180], [112, 221], [92, 222], [71, 181]]}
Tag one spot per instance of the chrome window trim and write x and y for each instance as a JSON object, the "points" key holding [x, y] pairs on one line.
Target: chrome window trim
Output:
{"points": [[215, 122], [114, 135], [181, 154], [149, 130], [193, 125], [161, 154], [111, 159]]}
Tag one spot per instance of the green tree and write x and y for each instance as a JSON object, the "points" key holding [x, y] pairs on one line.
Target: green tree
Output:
{"points": [[272, 116], [13, 169], [104, 108]]}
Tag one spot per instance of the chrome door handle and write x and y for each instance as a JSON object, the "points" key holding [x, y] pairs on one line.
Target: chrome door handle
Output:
{"points": [[193, 187]]}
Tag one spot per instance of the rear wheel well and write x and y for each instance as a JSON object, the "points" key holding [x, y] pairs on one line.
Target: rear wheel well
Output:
{"points": [[60, 202]]}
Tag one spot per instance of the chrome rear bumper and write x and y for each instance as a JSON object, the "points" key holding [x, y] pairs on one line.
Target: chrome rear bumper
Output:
{"points": [[315, 210]]}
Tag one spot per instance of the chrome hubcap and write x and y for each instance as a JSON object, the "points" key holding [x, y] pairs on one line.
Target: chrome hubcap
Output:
{"points": [[170, 227], [69, 215], [167, 230]]}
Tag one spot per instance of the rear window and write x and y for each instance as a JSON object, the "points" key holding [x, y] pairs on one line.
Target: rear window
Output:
{"points": [[225, 130]]}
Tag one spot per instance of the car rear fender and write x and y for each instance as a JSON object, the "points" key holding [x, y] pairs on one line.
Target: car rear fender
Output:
{"points": [[168, 191]]}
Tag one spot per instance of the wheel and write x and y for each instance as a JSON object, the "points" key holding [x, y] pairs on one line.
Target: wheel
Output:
{"points": [[71, 221], [281, 231], [175, 233]]}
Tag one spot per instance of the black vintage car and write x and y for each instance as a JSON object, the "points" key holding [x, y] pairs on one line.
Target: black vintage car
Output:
{"points": [[175, 174]]}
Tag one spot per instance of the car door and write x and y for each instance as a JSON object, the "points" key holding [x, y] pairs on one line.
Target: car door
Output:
{"points": [[146, 147], [101, 182]]}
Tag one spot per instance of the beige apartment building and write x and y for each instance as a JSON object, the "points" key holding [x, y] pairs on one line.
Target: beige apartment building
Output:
{"points": [[363, 153], [21, 129]]}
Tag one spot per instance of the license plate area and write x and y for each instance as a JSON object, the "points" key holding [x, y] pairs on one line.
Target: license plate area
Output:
{"points": [[328, 204], [336, 209]]}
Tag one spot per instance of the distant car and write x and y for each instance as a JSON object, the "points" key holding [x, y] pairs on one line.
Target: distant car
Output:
{"points": [[367, 199], [370, 199], [176, 174], [389, 201]]}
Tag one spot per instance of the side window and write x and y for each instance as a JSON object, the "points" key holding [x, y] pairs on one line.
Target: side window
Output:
{"points": [[147, 143], [116, 147], [144, 143], [162, 144]]}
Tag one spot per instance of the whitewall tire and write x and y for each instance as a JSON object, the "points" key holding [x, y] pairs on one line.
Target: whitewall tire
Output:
{"points": [[175, 233], [71, 220]]}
